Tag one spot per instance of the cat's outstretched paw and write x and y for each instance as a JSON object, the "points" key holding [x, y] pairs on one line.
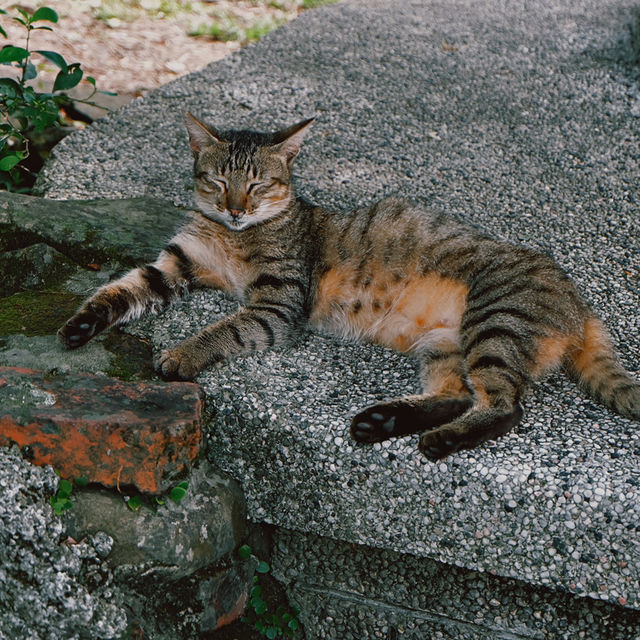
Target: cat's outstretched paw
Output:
{"points": [[79, 329], [468, 432], [177, 364]]}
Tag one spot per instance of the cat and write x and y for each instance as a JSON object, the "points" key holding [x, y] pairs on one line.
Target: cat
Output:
{"points": [[484, 318]]}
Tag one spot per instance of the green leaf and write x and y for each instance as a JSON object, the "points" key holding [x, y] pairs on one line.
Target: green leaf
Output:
{"points": [[91, 80], [30, 71], [20, 20], [54, 57], [10, 88], [3, 32], [183, 485], [263, 567], [43, 28], [8, 162], [244, 551], [293, 624], [255, 592], [64, 488], [40, 114], [60, 504], [158, 500], [13, 54], [260, 607], [82, 481], [44, 13], [69, 78], [134, 503], [178, 493], [272, 632]]}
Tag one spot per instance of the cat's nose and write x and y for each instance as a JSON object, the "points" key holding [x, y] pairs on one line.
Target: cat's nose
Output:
{"points": [[237, 213]]}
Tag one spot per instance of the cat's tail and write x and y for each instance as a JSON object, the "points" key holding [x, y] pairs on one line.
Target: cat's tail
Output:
{"points": [[595, 365]]}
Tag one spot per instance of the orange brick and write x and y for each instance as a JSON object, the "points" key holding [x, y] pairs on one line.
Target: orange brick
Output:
{"points": [[113, 432]]}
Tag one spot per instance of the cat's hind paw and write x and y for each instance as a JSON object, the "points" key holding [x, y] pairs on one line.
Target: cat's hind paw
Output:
{"points": [[374, 424], [437, 444], [405, 416]]}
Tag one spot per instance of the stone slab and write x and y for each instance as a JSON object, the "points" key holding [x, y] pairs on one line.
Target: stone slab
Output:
{"points": [[111, 432], [171, 540], [128, 231]]}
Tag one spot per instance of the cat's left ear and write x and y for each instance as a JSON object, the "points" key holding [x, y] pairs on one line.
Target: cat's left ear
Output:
{"points": [[288, 141]]}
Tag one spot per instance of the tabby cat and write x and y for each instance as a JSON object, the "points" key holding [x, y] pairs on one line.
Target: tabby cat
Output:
{"points": [[483, 317]]}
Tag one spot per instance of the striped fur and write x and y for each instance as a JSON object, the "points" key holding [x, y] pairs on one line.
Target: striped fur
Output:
{"points": [[484, 318]]}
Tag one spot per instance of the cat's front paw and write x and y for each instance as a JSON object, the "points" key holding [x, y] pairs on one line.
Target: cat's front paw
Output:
{"points": [[177, 364], [79, 329]]}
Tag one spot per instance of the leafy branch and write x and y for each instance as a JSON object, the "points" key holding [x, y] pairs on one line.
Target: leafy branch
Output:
{"points": [[23, 110]]}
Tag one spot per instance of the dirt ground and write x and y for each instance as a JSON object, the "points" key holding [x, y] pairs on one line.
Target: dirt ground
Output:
{"points": [[132, 46]]}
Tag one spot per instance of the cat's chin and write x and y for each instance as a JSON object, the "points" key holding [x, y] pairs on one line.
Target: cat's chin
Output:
{"points": [[227, 221], [237, 225]]}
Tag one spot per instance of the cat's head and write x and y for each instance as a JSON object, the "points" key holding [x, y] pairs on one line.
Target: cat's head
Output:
{"points": [[243, 178]]}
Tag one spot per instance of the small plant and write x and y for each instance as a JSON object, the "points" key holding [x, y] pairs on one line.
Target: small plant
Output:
{"points": [[134, 502], [271, 624], [25, 111], [176, 494], [179, 491], [61, 502]]}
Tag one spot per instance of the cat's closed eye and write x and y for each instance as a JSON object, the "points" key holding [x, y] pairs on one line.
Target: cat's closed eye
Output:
{"points": [[210, 184], [253, 186]]}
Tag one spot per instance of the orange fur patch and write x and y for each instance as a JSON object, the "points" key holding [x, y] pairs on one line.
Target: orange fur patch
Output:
{"points": [[447, 383], [418, 309], [550, 352], [594, 342]]}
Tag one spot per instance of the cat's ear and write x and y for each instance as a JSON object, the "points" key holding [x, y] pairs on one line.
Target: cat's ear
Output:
{"points": [[288, 141], [200, 135]]}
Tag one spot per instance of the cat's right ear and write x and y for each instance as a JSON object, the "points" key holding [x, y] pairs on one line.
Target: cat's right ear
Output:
{"points": [[288, 141], [200, 135]]}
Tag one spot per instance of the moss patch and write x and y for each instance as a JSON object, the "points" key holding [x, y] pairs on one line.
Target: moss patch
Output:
{"points": [[132, 356], [36, 313]]}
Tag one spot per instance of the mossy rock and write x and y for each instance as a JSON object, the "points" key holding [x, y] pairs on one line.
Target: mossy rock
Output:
{"points": [[89, 232], [36, 313], [132, 356], [37, 266]]}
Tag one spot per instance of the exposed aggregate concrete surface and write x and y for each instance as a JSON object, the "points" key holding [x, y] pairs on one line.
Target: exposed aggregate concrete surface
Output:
{"points": [[523, 118], [50, 589]]}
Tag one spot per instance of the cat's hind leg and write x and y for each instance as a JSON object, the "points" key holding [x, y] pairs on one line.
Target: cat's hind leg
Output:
{"points": [[445, 397], [496, 409]]}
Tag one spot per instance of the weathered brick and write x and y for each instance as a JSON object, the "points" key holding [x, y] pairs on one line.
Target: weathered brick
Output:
{"points": [[113, 432]]}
